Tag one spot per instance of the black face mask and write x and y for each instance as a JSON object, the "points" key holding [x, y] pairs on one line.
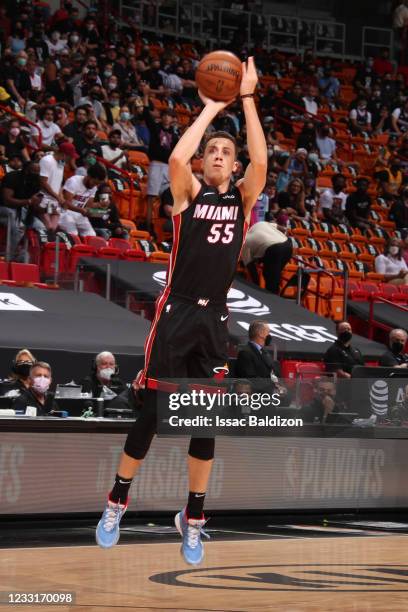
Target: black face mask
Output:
{"points": [[345, 336], [268, 340], [22, 369], [397, 347]]}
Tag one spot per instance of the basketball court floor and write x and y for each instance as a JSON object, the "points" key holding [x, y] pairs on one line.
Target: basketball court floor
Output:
{"points": [[251, 564]]}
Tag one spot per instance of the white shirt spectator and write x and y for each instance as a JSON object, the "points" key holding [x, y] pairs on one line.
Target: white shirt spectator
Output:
{"points": [[260, 237], [49, 130], [54, 172], [387, 264], [326, 146], [401, 118], [310, 105], [108, 153], [329, 197], [36, 82], [55, 47], [81, 193]]}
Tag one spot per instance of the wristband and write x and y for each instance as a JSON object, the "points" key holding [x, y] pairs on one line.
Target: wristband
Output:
{"points": [[247, 96]]}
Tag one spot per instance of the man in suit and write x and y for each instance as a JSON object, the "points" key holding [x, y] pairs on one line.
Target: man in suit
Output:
{"points": [[255, 362]]}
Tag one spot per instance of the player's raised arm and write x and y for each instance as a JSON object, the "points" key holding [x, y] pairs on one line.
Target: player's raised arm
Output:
{"points": [[255, 176], [183, 184]]}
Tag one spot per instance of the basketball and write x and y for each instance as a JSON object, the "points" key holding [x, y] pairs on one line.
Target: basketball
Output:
{"points": [[219, 74]]}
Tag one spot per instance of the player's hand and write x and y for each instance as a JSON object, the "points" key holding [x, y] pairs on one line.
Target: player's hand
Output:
{"points": [[249, 77], [219, 105]]}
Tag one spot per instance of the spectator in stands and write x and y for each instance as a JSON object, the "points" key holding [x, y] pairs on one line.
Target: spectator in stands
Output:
{"points": [[365, 76], [326, 144], [37, 43], [35, 78], [50, 131], [329, 86], [14, 164], [333, 201], [307, 137], [111, 109], [323, 403], [113, 151], [19, 379], [51, 177], [399, 212], [382, 121], [87, 141], [390, 180], [341, 357], [291, 203], [79, 193], [128, 130], [266, 243], [395, 357], [310, 101], [298, 164], [223, 122], [74, 129], [37, 394], [61, 88], [360, 119], [392, 264], [106, 221], [104, 380], [399, 119], [163, 139], [19, 195], [18, 80], [255, 363], [12, 142], [358, 206]]}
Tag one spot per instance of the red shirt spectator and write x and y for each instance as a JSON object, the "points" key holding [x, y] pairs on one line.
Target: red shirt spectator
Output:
{"points": [[382, 64]]}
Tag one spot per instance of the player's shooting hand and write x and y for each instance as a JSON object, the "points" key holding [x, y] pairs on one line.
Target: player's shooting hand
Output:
{"points": [[249, 77], [218, 105]]}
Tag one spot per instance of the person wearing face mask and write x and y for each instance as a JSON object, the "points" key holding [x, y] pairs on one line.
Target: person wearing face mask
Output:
{"points": [[90, 34], [18, 80], [129, 136], [396, 356], [37, 394], [326, 144], [50, 131], [341, 356], [13, 142], [19, 378], [256, 364], [391, 264], [104, 375], [106, 221], [360, 119]]}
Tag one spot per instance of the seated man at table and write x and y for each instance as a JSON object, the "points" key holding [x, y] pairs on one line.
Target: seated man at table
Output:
{"points": [[103, 381], [37, 395]]}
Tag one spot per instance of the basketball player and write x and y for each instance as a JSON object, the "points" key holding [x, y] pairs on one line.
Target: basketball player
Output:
{"points": [[188, 336]]}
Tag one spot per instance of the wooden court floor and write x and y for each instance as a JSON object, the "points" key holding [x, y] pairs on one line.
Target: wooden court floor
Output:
{"points": [[291, 575]]}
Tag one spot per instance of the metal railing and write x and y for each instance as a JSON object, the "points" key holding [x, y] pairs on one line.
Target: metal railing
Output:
{"points": [[377, 324], [200, 22], [374, 39]]}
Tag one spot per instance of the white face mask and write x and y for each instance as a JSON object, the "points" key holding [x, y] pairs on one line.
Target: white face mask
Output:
{"points": [[106, 373], [41, 384], [394, 250], [47, 123], [74, 39]]}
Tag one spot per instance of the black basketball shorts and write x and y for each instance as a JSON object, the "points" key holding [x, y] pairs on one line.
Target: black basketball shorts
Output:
{"points": [[187, 340]]}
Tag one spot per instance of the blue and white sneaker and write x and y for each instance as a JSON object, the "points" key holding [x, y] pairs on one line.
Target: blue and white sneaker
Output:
{"points": [[191, 530], [107, 531]]}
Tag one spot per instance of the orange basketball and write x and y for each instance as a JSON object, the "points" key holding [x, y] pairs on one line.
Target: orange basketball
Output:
{"points": [[219, 74]]}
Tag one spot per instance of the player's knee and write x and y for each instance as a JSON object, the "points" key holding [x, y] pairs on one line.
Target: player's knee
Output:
{"points": [[202, 448], [136, 449]]}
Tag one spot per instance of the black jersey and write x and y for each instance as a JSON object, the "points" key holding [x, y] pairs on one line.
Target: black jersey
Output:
{"points": [[208, 238]]}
